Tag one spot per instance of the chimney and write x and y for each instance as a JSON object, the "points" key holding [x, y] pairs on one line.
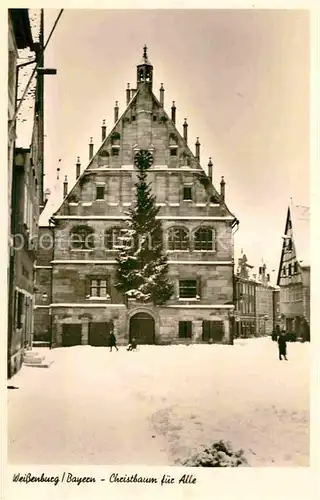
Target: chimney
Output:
{"points": [[185, 130], [128, 92], [161, 95], [65, 187], [210, 169], [222, 188], [198, 149], [91, 148], [173, 112], [78, 165], [116, 112], [103, 130]]}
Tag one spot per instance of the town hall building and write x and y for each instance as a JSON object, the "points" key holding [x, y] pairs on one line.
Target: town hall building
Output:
{"points": [[76, 298]]}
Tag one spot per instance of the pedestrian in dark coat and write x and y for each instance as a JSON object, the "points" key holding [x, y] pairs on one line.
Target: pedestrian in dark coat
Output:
{"points": [[112, 341], [282, 344]]}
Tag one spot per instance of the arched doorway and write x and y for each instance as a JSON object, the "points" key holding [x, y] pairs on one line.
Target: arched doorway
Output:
{"points": [[142, 328]]}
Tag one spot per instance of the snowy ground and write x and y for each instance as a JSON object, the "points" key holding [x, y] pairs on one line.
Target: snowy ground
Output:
{"points": [[161, 403]]}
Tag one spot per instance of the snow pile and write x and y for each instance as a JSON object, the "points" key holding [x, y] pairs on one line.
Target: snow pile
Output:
{"points": [[162, 403]]}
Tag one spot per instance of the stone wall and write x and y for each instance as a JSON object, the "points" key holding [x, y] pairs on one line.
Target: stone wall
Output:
{"points": [[166, 321]]}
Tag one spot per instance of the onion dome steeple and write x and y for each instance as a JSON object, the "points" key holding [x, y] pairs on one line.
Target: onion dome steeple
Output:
{"points": [[144, 70]]}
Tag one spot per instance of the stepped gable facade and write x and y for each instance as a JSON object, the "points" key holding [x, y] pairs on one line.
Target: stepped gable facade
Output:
{"points": [[77, 301]]}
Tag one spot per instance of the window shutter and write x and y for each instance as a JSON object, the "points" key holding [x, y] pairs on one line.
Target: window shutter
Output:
{"points": [[87, 286], [213, 239], [199, 286], [189, 330], [205, 330]]}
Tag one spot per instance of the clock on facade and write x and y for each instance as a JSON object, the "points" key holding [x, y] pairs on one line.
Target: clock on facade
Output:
{"points": [[143, 159]]}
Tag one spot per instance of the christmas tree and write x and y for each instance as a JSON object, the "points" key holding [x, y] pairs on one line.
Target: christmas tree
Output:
{"points": [[142, 263]]}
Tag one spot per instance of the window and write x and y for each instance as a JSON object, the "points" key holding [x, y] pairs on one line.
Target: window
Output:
{"points": [[173, 151], [133, 118], [19, 309], [115, 151], [82, 237], [185, 329], [284, 270], [187, 193], [290, 244], [98, 288], [203, 239], [100, 193], [154, 118], [178, 239], [112, 238], [188, 289], [289, 269], [295, 267]]}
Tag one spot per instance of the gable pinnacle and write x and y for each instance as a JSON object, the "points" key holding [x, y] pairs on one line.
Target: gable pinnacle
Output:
{"points": [[145, 55]]}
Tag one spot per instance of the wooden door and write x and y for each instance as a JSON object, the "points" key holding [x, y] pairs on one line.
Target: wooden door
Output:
{"points": [[99, 333], [142, 328], [71, 334]]}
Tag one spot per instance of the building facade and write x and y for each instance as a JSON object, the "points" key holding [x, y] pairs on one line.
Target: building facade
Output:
{"points": [[294, 273], [76, 279], [20, 268], [254, 301], [25, 165]]}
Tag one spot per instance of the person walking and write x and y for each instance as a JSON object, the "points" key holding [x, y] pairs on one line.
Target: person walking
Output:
{"points": [[282, 344], [112, 341]]}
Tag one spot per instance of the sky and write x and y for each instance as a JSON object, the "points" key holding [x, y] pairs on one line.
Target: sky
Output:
{"points": [[240, 77]]}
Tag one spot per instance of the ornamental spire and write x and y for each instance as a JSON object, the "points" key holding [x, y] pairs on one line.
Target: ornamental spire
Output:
{"points": [[145, 55]]}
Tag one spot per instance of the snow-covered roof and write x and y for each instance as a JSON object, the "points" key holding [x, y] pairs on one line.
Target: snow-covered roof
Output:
{"points": [[35, 23], [25, 117], [300, 220], [52, 205]]}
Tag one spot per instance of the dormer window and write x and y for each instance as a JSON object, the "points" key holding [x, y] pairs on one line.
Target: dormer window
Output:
{"points": [[100, 192], [173, 145], [187, 193], [173, 150], [115, 150]]}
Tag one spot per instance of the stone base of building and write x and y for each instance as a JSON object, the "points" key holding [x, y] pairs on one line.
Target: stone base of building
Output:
{"points": [[147, 324], [15, 363]]}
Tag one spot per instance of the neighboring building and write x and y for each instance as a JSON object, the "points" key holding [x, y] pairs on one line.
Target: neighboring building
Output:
{"points": [[254, 301], [25, 157], [276, 310], [19, 38], [294, 273], [264, 303], [77, 297], [245, 300]]}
